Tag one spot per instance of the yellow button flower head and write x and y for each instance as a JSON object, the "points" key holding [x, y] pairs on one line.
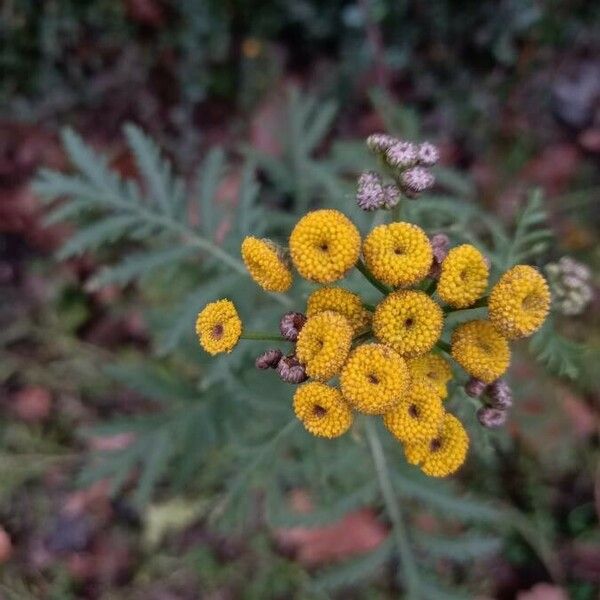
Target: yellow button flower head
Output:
{"points": [[322, 410], [324, 245], [408, 321], [434, 369], [464, 276], [398, 254], [519, 302], [374, 378], [443, 454], [341, 301], [218, 327], [480, 350], [323, 344], [266, 265], [417, 416]]}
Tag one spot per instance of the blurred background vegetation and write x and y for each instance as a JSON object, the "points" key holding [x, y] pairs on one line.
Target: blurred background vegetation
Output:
{"points": [[134, 467]]}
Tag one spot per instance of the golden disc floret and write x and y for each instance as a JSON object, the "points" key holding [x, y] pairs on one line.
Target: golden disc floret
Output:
{"points": [[464, 276], [434, 369], [266, 265], [410, 322], [322, 410], [519, 302], [398, 254], [324, 245], [443, 454], [323, 344], [418, 415], [341, 301], [480, 350], [218, 327], [374, 378]]}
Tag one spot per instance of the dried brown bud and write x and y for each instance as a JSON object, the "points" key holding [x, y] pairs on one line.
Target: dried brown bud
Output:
{"points": [[440, 243], [417, 180], [475, 387], [370, 194], [269, 359], [290, 325], [491, 417], [392, 195], [500, 394], [402, 155], [428, 154], [380, 142], [290, 370]]}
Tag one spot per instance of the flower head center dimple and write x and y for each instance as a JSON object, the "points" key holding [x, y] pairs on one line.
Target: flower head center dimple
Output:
{"points": [[413, 411], [409, 322], [324, 246], [530, 302], [319, 411], [398, 250], [217, 331], [373, 378], [435, 444]]}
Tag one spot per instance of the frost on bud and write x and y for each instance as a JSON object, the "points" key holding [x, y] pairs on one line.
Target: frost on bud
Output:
{"points": [[416, 180], [440, 244], [428, 154], [290, 325], [402, 155], [491, 417], [475, 387], [290, 370], [392, 195], [370, 194], [269, 359], [500, 394], [380, 142]]}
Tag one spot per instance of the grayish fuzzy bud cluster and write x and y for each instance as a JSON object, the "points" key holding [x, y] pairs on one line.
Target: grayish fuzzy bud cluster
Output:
{"points": [[290, 370], [491, 417], [391, 195], [370, 194], [500, 394], [475, 387], [402, 155], [269, 359], [417, 180], [380, 142], [571, 285], [290, 325], [428, 154]]}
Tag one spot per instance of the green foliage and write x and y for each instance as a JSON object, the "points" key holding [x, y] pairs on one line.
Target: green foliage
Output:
{"points": [[224, 428]]}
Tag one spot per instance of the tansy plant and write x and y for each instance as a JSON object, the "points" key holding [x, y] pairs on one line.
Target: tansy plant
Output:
{"points": [[387, 361]]}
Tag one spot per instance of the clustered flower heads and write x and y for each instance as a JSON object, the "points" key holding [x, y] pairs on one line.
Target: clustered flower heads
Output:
{"points": [[571, 285], [390, 361]]}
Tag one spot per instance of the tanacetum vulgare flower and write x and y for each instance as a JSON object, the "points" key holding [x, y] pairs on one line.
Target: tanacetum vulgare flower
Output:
{"points": [[409, 321], [519, 302], [341, 301], [434, 369], [218, 327], [418, 415], [323, 344], [443, 454], [464, 276], [322, 410], [480, 350], [398, 254], [324, 245], [265, 265], [374, 378]]}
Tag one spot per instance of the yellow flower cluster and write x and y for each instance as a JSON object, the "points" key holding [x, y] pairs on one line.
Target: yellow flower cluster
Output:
{"points": [[398, 254], [388, 357], [266, 265], [218, 327], [342, 301]]}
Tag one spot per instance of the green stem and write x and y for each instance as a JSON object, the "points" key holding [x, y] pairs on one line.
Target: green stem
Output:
{"points": [[430, 286], [368, 307], [481, 303], [407, 560], [444, 346], [262, 335], [384, 289], [397, 212]]}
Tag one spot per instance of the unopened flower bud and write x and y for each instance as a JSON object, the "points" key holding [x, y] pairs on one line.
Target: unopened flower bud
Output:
{"points": [[269, 359], [402, 155], [475, 387], [500, 394], [491, 417], [290, 370], [440, 243], [380, 142], [570, 286], [428, 154], [392, 195], [290, 325], [370, 194], [417, 180]]}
